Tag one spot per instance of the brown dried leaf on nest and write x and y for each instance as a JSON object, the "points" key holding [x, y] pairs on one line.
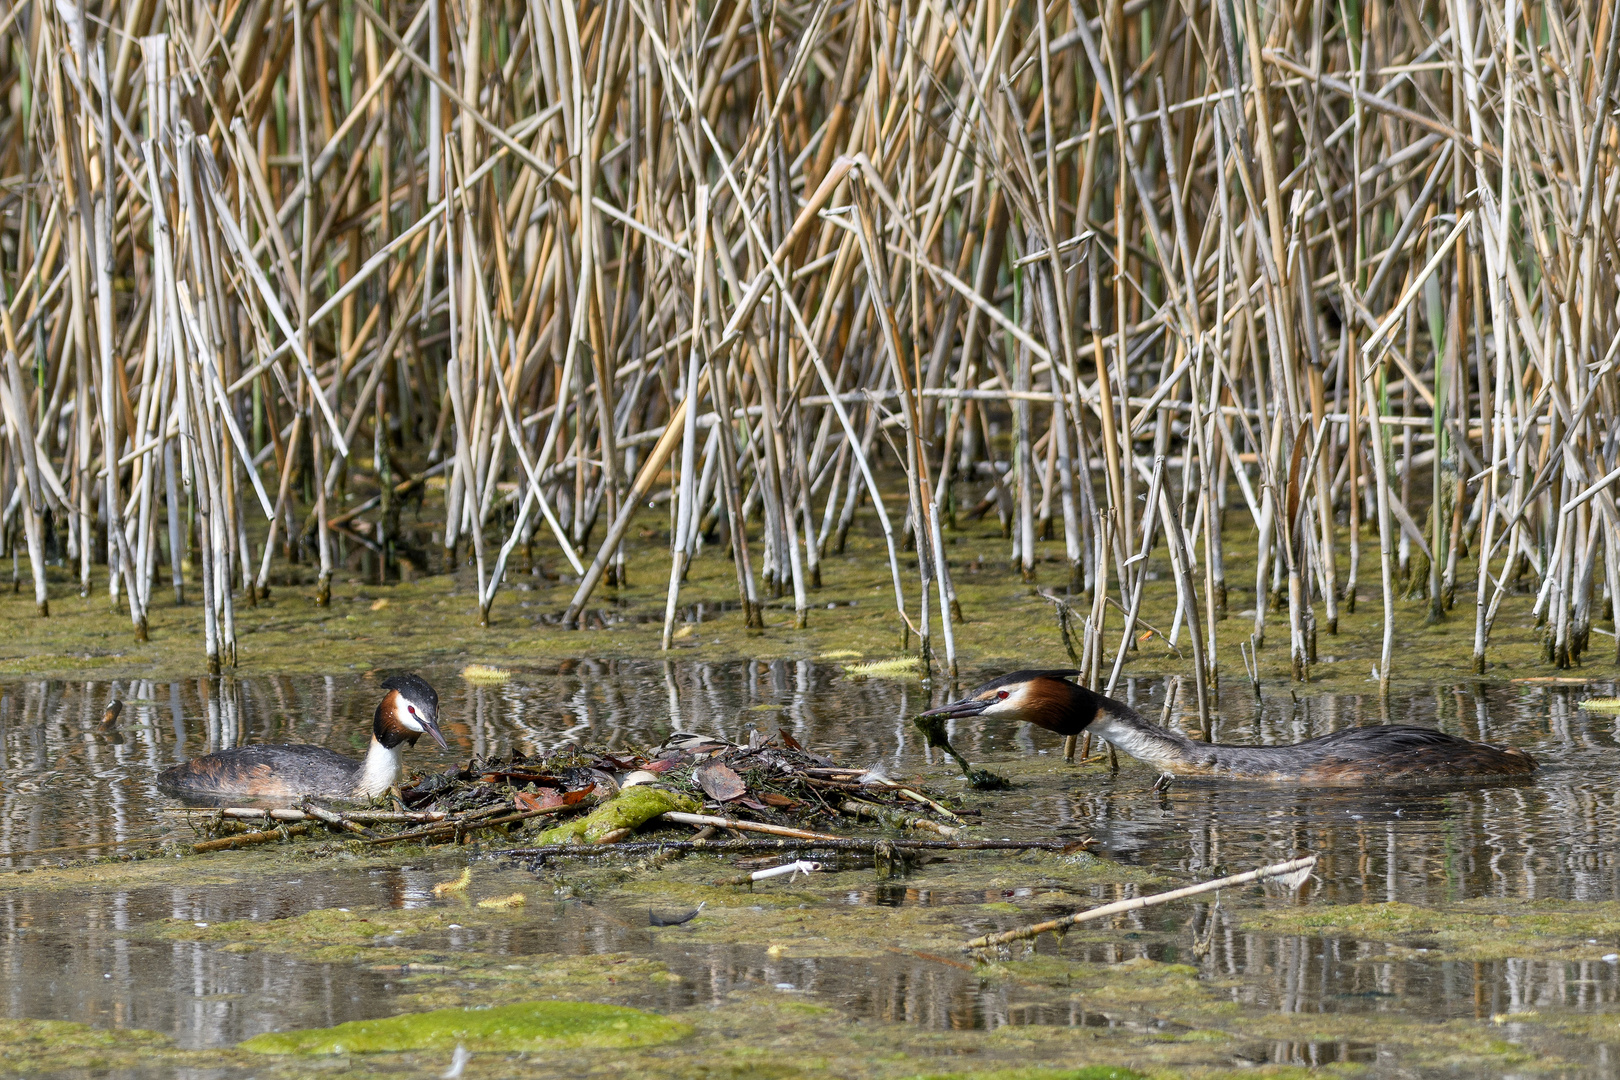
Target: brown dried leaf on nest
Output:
{"points": [[719, 782], [563, 779], [547, 798]]}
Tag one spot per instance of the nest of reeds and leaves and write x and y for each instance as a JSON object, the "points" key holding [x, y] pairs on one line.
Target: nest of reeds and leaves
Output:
{"points": [[772, 783], [772, 788]]}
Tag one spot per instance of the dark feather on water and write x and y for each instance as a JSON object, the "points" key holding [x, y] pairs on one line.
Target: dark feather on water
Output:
{"points": [[655, 919]]}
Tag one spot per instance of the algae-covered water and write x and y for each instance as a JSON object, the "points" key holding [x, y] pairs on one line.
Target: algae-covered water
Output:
{"points": [[1473, 931]]}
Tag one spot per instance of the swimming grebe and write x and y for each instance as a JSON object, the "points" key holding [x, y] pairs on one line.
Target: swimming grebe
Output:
{"points": [[408, 709], [1355, 756]]}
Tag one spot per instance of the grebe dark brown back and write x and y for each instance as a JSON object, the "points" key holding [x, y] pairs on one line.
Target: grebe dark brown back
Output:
{"points": [[1387, 754], [409, 708]]}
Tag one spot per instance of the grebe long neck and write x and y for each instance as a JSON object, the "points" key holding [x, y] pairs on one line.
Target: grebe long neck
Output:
{"points": [[1352, 756], [379, 771], [1142, 739]]}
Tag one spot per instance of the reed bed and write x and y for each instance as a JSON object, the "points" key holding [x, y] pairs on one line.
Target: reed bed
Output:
{"points": [[1341, 274]]}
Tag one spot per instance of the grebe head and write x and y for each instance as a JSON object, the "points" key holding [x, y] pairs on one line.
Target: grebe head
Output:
{"points": [[1044, 698], [408, 709]]}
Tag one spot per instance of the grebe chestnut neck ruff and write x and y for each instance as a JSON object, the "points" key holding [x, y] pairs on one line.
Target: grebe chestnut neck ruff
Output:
{"points": [[409, 709], [1386, 754]]}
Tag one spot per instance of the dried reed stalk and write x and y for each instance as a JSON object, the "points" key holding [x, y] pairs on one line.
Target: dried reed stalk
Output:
{"points": [[1349, 266]]}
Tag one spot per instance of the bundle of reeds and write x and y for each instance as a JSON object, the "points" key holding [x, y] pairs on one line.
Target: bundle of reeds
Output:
{"points": [[269, 265]]}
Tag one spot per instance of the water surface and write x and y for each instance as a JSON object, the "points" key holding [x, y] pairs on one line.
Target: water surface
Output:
{"points": [[65, 782]]}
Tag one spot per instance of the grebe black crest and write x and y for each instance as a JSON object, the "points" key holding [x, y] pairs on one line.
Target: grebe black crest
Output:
{"points": [[1386, 754], [409, 708]]}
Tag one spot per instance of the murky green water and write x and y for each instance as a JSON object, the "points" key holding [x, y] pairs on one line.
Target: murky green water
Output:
{"points": [[89, 954]]}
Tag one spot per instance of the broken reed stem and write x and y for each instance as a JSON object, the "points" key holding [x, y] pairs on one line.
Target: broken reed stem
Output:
{"points": [[362, 817], [541, 264], [440, 824], [857, 808], [459, 826], [681, 818], [249, 839]]}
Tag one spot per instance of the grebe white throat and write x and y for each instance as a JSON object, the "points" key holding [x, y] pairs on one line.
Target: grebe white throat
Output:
{"points": [[380, 770]]}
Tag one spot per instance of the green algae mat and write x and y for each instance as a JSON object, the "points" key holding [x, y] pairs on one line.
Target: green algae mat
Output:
{"points": [[531, 1025], [1094, 1072]]}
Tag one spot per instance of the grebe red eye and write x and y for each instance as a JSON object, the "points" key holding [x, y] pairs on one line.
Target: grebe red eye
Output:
{"points": [[1001, 696], [412, 708]]}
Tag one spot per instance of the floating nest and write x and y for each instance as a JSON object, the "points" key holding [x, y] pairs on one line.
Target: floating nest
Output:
{"points": [[771, 787], [771, 781]]}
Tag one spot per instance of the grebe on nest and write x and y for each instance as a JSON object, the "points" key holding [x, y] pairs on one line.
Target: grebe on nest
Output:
{"points": [[408, 709], [1387, 754]]}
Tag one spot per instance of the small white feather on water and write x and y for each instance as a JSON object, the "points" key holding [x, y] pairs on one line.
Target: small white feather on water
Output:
{"points": [[1296, 880], [458, 1063]]}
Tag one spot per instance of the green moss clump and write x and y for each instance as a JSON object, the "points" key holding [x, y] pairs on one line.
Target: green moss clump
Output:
{"points": [[532, 1025], [31, 1047], [20, 1036], [629, 809]]}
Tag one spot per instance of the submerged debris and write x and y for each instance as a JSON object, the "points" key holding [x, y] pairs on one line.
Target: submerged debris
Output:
{"points": [[933, 730]]}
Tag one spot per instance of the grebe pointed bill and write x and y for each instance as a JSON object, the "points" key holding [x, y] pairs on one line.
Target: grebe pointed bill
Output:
{"points": [[409, 709]]}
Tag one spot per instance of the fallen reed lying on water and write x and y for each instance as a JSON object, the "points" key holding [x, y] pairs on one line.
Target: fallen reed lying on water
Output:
{"points": [[1292, 874], [1120, 275]]}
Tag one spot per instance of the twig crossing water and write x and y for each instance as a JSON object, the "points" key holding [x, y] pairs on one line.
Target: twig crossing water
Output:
{"points": [[1294, 870]]}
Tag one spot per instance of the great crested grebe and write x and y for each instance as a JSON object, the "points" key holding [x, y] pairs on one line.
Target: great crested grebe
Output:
{"points": [[1356, 756], [409, 708]]}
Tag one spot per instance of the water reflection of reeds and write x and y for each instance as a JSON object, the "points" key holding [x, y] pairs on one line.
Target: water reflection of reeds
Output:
{"points": [[80, 961], [66, 780]]}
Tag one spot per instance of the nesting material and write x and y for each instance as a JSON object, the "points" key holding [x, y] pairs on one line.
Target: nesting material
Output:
{"points": [[591, 796], [772, 784], [504, 903], [456, 886], [485, 673], [901, 667], [618, 817]]}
